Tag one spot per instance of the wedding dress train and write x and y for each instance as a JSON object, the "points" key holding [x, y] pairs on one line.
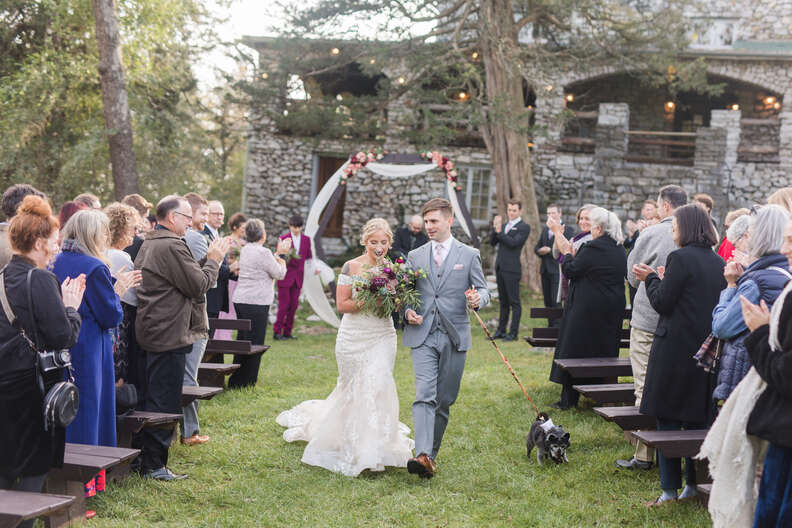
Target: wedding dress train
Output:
{"points": [[357, 427]]}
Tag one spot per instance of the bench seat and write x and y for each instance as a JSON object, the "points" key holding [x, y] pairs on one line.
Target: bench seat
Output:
{"points": [[673, 444], [213, 374], [18, 506], [608, 392], [190, 393], [131, 423], [629, 418], [596, 367]]}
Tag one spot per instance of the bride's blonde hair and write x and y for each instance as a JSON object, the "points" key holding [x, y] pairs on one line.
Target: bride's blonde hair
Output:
{"points": [[374, 225]]}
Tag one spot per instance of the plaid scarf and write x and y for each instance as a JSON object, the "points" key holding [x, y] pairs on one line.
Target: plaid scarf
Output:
{"points": [[709, 353], [74, 246]]}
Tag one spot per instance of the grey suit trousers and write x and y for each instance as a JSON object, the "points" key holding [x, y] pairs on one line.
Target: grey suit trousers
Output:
{"points": [[438, 367]]}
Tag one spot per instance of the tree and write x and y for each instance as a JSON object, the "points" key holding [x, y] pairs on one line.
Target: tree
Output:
{"points": [[502, 50], [114, 99]]}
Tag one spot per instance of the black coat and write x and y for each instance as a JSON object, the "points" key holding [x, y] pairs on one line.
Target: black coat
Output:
{"points": [[771, 418], [404, 241], [675, 388], [594, 311], [217, 297], [549, 263], [134, 247], [26, 448], [510, 246]]}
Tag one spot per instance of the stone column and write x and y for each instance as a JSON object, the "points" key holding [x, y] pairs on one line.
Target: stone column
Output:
{"points": [[613, 122], [785, 137]]}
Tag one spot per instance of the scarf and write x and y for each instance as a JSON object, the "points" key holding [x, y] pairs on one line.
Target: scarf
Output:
{"points": [[73, 246]]}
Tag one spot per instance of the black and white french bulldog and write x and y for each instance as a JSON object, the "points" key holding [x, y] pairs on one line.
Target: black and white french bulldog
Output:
{"points": [[550, 440]]}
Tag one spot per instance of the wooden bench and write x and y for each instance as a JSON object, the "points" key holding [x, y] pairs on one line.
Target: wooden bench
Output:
{"points": [[131, 423], [214, 374], [608, 392], [628, 418], [18, 506], [548, 337], [704, 491], [673, 444], [596, 367], [81, 463], [190, 393]]}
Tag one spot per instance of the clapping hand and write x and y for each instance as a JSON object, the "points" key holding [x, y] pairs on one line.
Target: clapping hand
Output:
{"points": [[632, 227], [72, 290], [732, 272], [641, 271], [661, 272], [553, 224], [126, 280], [218, 249], [284, 246], [497, 223], [754, 315]]}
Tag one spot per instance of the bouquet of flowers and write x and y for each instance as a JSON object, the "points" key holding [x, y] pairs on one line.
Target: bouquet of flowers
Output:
{"points": [[291, 255], [387, 287]]}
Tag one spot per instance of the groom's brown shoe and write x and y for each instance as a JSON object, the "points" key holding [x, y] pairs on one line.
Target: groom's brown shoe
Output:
{"points": [[422, 465]]}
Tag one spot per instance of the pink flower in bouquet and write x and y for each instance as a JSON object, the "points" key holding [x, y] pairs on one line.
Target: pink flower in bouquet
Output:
{"points": [[449, 165], [400, 260], [361, 156]]}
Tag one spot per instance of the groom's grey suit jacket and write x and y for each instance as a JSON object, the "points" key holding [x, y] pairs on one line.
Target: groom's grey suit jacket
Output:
{"points": [[443, 296]]}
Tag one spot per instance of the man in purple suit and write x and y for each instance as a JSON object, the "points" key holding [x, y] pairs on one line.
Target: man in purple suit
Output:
{"points": [[289, 288]]}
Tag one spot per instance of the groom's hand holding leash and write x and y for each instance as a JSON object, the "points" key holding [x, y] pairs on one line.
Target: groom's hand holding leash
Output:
{"points": [[473, 298], [413, 318]]}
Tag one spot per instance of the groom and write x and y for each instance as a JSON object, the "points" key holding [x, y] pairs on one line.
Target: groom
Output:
{"points": [[440, 335]]}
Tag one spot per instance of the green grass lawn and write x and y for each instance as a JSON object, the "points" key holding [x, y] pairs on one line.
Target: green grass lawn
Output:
{"points": [[248, 476]]}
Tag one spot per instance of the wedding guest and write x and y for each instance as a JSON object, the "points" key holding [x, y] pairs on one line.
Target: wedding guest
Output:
{"points": [[11, 200], [763, 279], [770, 348], [652, 248], [549, 269], [782, 197], [29, 452], [738, 235], [170, 319], [236, 228], [258, 271], [85, 242], [198, 243], [142, 206], [677, 392], [583, 236], [68, 209], [409, 237], [593, 316], [217, 297], [705, 201], [649, 217], [726, 247], [123, 223], [509, 237], [90, 201], [289, 287]]}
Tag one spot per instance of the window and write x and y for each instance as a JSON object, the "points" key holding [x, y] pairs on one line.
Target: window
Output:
{"points": [[478, 186]]}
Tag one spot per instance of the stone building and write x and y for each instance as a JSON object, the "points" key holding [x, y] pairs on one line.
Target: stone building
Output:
{"points": [[622, 142]]}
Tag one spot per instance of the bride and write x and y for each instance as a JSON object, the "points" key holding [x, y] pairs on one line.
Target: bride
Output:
{"points": [[357, 427]]}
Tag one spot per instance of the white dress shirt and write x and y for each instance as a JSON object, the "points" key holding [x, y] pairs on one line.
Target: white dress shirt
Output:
{"points": [[511, 224], [296, 243]]}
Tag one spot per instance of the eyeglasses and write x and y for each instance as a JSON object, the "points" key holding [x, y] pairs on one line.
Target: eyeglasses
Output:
{"points": [[188, 217]]}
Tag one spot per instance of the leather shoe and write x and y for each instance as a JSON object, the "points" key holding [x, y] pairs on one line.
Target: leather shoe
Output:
{"points": [[422, 465], [195, 439], [289, 337], [163, 474], [278, 337], [510, 337], [633, 463], [499, 335], [559, 405]]}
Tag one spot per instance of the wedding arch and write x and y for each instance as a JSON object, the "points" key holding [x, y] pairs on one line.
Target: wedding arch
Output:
{"points": [[384, 164]]}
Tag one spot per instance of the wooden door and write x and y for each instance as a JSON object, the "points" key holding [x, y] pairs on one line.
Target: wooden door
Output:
{"points": [[327, 167]]}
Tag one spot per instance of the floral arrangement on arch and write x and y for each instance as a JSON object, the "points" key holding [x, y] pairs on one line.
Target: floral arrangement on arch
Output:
{"points": [[444, 164], [357, 162]]}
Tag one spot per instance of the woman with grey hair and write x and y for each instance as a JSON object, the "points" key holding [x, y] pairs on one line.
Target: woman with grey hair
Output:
{"points": [[254, 293], [594, 310], [738, 235], [762, 280]]}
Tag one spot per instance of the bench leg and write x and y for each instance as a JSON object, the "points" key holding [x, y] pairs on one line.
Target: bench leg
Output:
{"points": [[211, 379], [75, 514]]}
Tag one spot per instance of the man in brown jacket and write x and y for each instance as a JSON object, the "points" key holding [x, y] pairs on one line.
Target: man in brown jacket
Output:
{"points": [[171, 316]]}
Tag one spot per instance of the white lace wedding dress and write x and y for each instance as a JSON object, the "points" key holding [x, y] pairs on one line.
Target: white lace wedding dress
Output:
{"points": [[357, 427]]}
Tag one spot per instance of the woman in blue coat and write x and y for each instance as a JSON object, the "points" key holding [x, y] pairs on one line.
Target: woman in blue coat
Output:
{"points": [[85, 239]]}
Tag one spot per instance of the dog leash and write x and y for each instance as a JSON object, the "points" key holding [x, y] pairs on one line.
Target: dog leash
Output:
{"points": [[503, 357]]}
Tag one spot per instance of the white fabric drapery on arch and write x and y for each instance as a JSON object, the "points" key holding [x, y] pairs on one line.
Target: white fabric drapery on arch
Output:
{"points": [[312, 285]]}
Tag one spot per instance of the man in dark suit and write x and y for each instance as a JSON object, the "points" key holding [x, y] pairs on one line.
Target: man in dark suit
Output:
{"points": [[549, 269], [408, 238], [217, 297], [510, 237]]}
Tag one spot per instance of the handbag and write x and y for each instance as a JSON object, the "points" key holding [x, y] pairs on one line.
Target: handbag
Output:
{"points": [[62, 400], [709, 354]]}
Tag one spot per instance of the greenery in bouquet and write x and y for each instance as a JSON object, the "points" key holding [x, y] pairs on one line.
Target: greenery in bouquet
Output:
{"points": [[386, 288], [291, 255]]}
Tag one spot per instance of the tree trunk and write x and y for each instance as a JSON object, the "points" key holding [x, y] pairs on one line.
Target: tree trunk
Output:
{"points": [[114, 99], [505, 132]]}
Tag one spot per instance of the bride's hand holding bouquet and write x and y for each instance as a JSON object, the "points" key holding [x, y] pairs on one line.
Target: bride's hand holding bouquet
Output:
{"points": [[387, 287]]}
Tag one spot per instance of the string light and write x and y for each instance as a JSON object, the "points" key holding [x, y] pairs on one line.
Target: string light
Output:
{"points": [[569, 98], [372, 61], [265, 75], [335, 51], [735, 107], [475, 55], [769, 100], [549, 87], [777, 105], [670, 105], [401, 80], [462, 96]]}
